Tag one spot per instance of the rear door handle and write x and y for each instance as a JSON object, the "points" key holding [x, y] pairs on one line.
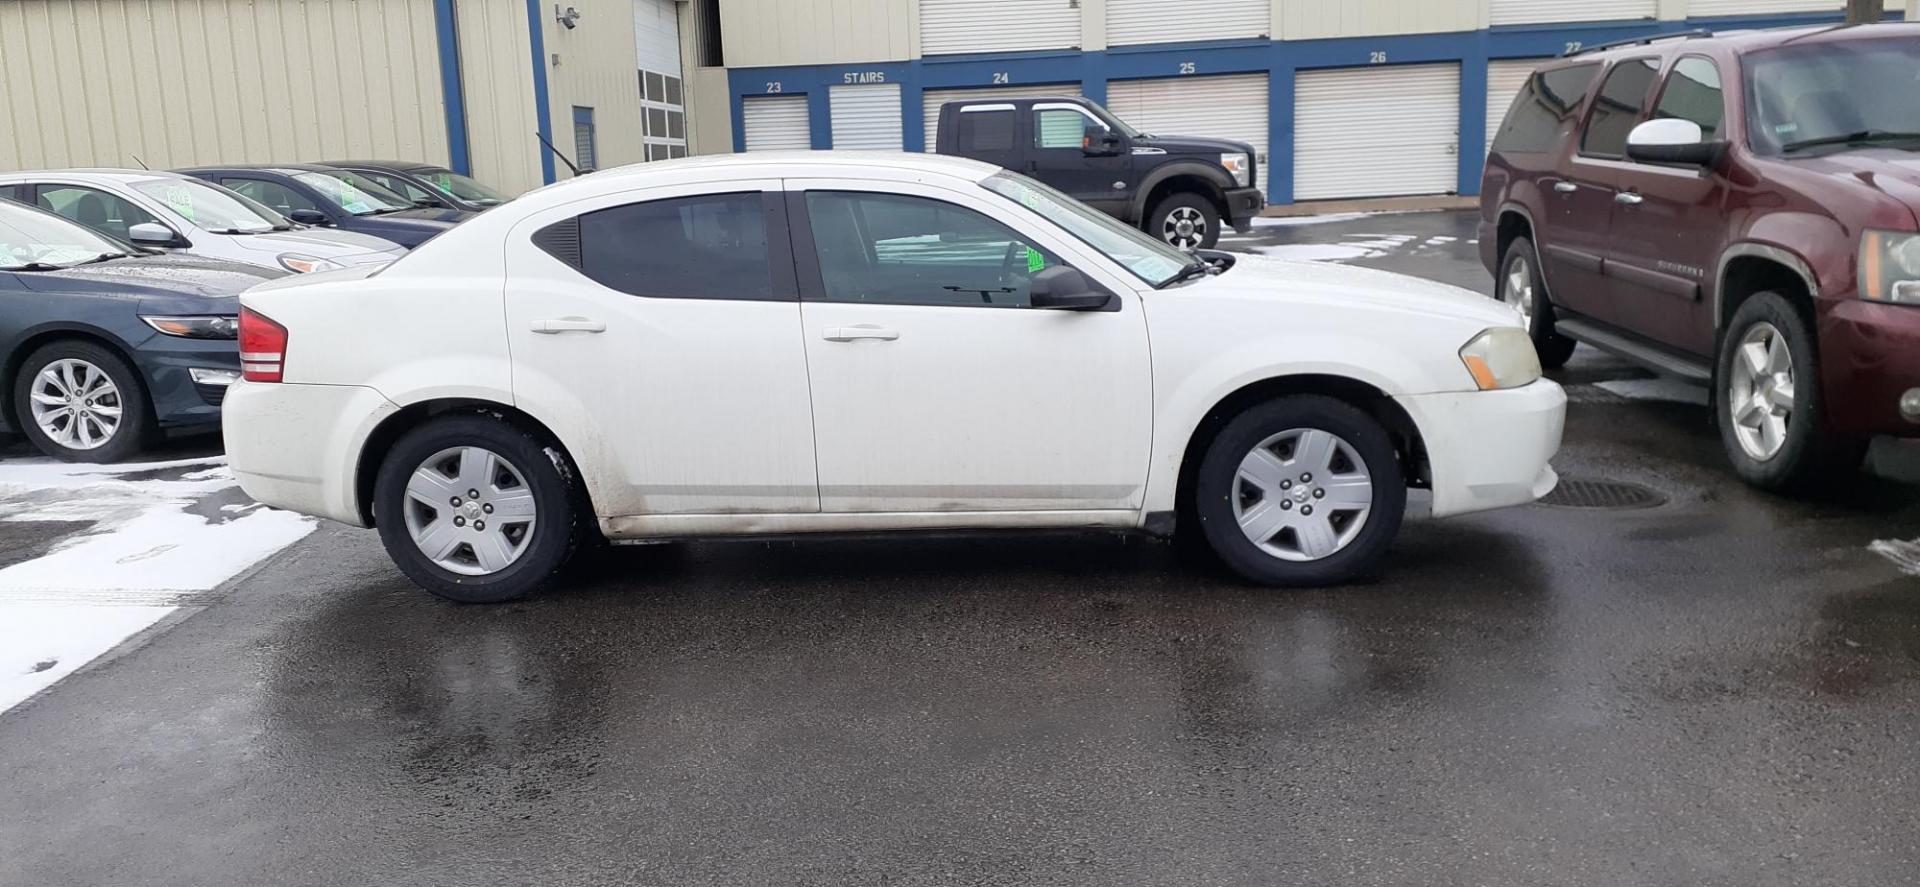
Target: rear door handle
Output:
{"points": [[554, 325], [863, 331], [1565, 187], [1628, 198]]}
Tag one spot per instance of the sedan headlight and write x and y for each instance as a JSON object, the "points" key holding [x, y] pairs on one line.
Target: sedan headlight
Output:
{"points": [[1502, 357], [1890, 267], [1241, 166], [300, 264], [212, 326]]}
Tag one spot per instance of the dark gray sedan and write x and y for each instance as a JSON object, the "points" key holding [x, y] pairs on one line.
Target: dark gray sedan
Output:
{"points": [[104, 345]]}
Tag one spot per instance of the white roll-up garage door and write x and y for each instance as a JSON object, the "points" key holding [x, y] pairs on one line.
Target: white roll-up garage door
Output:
{"points": [[774, 124], [1504, 80], [1520, 12], [1231, 106], [932, 99], [1131, 22], [950, 26], [1702, 8], [1376, 132], [866, 117]]}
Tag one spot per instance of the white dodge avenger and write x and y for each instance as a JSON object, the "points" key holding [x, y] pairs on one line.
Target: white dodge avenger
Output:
{"points": [[777, 344]]}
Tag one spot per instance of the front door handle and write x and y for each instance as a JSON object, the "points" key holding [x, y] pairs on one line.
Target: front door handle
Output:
{"points": [[1565, 187], [1628, 198], [554, 325], [863, 331]]}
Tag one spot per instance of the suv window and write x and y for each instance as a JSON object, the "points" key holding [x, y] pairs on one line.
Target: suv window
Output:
{"points": [[1543, 108], [985, 129], [1618, 107], [1693, 93], [103, 212], [897, 249], [1061, 126], [712, 246], [273, 194]]}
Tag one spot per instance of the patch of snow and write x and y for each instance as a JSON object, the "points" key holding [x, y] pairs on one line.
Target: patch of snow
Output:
{"points": [[1316, 252], [1440, 238], [1904, 555], [1295, 221], [1657, 388], [42, 643]]}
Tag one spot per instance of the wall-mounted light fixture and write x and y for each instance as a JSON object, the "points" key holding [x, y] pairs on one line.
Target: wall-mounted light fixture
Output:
{"points": [[570, 17]]}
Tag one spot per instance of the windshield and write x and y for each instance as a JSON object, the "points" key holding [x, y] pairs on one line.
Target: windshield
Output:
{"points": [[212, 207], [452, 183], [33, 240], [1149, 259], [1829, 96], [354, 192]]}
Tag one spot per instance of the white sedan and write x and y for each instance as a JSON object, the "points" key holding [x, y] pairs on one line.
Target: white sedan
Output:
{"points": [[774, 344]]}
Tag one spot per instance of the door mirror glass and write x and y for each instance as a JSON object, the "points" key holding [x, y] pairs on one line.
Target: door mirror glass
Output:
{"points": [[1063, 287], [308, 216], [1671, 140], [150, 234]]}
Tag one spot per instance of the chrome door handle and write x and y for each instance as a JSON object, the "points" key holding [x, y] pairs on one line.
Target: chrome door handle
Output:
{"points": [[863, 331], [1565, 187], [1628, 198], [555, 325]]}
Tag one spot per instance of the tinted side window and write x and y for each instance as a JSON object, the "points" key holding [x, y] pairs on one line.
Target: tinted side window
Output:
{"points": [[273, 194], [1693, 93], [1543, 109], [896, 249], [10, 192], [713, 246], [103, 212], [1617, 107], [985, 130]]}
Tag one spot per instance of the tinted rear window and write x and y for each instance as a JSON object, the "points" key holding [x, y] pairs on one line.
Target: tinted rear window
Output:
{"points": [[1543, 110], [1617, 107], [985, 130], [709, 247]]}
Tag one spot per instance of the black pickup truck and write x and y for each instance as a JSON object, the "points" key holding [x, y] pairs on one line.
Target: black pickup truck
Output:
{"points": [[1176, 187]]}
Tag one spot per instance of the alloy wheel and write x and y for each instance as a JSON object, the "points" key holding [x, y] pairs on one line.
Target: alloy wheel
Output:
{"points": [[1516, 288], [1760, 391], [469, 510], [75, 404], [1303, 494], [1185, 227]]}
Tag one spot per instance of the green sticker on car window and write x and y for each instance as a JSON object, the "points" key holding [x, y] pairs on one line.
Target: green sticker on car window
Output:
{"points": [[179, 199], [1036, 261]]}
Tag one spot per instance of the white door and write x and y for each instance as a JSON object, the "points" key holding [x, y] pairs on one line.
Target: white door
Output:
{"points": [[866, 116], [1521, 12], [1504, 81], [951, 26], [1131, 22], [932, 99], [1704, 8], [936, 386], [775, 123], [1376, 132], [654, 331], [1232, 106]]}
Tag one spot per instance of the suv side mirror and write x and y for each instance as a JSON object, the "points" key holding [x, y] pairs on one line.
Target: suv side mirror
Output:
{"points": [[1672, 140], [1064, 288], [1099, 141], [152, 234], [309, 217]]}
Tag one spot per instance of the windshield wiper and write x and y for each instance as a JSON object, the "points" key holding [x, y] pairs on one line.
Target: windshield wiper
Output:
{"points": [[1857, 137], [1198, 268], [33, 266], [103, 257]]}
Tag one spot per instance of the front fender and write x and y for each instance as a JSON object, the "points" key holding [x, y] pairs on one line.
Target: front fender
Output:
{"points": [[1213, 175]]}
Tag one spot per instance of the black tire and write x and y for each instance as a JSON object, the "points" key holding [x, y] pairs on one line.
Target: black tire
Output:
{"points": [[1162, 221], [1554, 349], [547, 545], [136, 421], [1809, 456], [1217, 487]]}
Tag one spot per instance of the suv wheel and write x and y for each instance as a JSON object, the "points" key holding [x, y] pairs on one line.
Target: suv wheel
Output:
{"points": [[1522, 287], [475, 510], [1188, 221], [1770, 401], [1302, 490], [81, 402]]}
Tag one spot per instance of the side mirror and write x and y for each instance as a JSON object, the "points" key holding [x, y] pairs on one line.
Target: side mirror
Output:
{"points": [[1064, 288], [152, 234], [1099, 141], [1672, 140], [309, 217]]}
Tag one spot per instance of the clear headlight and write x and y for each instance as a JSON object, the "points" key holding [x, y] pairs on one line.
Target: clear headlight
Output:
{"points": [[212, 326], [1502, 357], [1890, 267], [1241, 166], [300, 264]]}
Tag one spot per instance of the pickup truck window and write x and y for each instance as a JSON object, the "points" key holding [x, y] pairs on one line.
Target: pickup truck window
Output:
{"points": [[1151, 260], [1618, 107], [1061, 126], [985, 128]]}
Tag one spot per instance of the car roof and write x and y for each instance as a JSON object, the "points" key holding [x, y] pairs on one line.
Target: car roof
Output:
{"points": [[285, 168], [902, 163], [121, 176], [1742, 41], [395, 165]]}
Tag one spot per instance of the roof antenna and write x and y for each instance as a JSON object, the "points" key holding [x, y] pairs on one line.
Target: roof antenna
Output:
{"points": [[143, 163], [556, 153]]}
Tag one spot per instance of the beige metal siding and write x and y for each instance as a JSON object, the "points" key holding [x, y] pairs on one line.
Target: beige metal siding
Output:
{"points": [[1703, 8], [598, 67], [806, 32], [1310, 19], [183, 82], [1504, 81], [1225, 107], [932, 99], [1376, 132], [957, 26], [497, 81], [1131, 22], [1519, 12]]}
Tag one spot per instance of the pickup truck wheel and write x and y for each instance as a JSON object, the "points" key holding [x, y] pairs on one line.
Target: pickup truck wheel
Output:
{"points": [[1302, 490], [475, 510], [1771, 404], [1522, 287], [1187, 220]]}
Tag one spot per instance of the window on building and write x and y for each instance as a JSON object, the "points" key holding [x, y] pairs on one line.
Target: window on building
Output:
{"points": [[1693, 93], [708, 13], [663, 117], [895, 249], [1543, 108], [1617, 107], [103, 212], [584, 155], [713, 246]]}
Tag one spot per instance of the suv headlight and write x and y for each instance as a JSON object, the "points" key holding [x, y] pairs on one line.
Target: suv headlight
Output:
{"points": [[211, 326], [1502, 357], [1890, 267], [300, 264], [1241, 166]]}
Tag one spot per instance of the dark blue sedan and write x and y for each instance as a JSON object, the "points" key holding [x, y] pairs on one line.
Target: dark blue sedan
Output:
{"points": [[322, 195], [104, 345]]}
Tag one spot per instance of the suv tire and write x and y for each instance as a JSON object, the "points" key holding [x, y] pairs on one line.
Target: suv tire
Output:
{"points": [[422, 501], [110, 398], [1187, 220], [1319, 451], [1521, 285], [1770, 407]]}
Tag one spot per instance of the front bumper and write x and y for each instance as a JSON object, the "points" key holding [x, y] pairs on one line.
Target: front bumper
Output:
{"points": [[298, 447], [1242, 205], [167, 364], [1489, 449], [1869, 358]]}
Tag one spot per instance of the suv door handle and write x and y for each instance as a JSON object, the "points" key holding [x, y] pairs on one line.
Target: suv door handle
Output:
{"points": [[555, 325], [863, 331], [1565, 187], [1628, 198]]}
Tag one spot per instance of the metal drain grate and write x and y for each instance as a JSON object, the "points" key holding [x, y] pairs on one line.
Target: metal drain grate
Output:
{"points": [[1575, 492]]}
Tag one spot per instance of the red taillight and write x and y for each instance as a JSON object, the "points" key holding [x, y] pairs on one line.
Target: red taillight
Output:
{"points": [[263, 347]]}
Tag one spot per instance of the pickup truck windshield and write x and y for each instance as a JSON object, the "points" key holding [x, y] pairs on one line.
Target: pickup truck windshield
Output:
{"points": [[1815, 98], [1150, 260]]}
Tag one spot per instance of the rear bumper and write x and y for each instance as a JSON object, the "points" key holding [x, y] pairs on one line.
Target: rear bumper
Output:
{"points": [[1489, 449], [1869, 358], [298, 447], [1242, 205]]}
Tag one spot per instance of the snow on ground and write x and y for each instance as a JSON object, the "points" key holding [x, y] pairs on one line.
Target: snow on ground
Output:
{"points": [[159, 536], [1657, 388], [1905, 555]]}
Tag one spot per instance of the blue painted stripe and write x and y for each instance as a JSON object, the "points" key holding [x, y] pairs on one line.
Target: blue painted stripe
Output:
{"points": [[537, 38], [452, 94]]}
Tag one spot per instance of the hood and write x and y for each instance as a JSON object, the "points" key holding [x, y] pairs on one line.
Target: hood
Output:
{"points": [[321, 243], [174, 275], [1888, 171], [1192, 145], [1345, 285]]}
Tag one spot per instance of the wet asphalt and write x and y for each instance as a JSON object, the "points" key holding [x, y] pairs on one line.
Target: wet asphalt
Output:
{"points": [[1722, 689]]}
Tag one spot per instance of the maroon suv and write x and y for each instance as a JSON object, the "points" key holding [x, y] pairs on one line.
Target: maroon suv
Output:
{"points": [[1736, 209]]}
